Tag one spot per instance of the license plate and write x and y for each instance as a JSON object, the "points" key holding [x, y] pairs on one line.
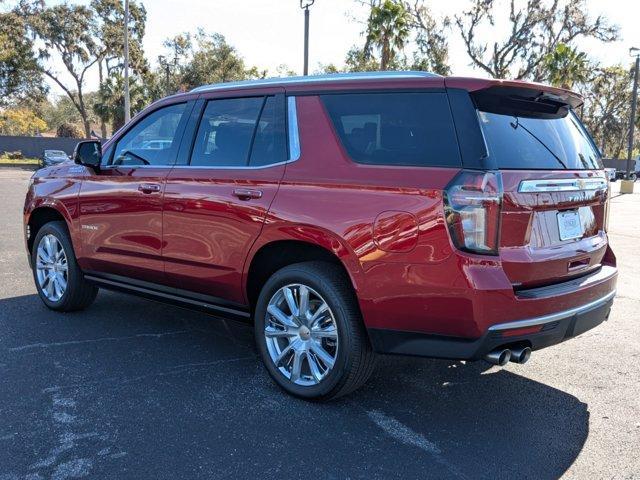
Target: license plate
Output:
{"points": [[569, 225]]}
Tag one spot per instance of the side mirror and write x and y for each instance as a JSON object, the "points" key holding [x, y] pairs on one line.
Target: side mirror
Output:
{"points": [[88, 153]]}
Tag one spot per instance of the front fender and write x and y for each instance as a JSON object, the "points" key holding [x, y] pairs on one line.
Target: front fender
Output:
{"points": [[59, 194]]}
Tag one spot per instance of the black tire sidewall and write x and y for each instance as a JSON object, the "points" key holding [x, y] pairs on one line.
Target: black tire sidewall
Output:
{"points": [[300, 273], [74, 276]]}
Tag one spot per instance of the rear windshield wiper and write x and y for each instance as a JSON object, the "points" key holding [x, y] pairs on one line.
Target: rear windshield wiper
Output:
{"points": [[517, 125]]}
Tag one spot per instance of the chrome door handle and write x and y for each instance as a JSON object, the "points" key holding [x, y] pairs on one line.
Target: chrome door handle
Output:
{"points": [[247, 194], [149, 187]]}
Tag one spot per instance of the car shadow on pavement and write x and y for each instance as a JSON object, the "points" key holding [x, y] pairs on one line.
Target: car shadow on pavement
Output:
{"points": [[485, 422], [161, 392]]}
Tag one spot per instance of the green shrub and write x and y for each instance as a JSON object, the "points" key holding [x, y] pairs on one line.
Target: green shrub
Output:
{"points": [[17, 155], [68, 130]]}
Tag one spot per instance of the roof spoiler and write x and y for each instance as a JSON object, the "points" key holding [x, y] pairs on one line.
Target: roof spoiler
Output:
{"points": [[526, 101], [517, 98]]}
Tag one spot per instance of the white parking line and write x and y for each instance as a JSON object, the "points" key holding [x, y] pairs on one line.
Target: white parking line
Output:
{"points": [[406, 435]]}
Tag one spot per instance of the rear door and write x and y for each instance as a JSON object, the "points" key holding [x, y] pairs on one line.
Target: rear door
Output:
{"points": [[121, 203], [555, 191], [217, 199]]}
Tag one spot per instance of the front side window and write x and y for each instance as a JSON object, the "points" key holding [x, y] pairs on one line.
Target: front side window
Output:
{"points": [[226, 132], [151, 141], [413, 129]]}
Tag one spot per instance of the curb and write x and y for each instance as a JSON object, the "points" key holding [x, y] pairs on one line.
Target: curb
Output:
{"points": [[24, 166]]}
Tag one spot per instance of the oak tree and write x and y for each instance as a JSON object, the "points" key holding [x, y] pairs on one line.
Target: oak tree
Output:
{"points": [[535, 31]]}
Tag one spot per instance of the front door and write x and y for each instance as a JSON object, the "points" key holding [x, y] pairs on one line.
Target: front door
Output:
{"points": [[215, 206], [121, 203]]}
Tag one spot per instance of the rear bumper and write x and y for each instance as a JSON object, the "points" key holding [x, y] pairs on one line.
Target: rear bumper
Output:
{"points": [[536, 332]]}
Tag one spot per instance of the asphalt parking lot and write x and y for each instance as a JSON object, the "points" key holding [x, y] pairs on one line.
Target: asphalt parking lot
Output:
{"points": [[136, 389]]}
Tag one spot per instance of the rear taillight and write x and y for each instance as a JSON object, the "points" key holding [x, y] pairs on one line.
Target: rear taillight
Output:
{"points": [[472, 203]]}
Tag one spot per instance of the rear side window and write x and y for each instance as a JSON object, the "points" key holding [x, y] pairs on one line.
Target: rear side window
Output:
{"points": [[539, 144], [225, 132], [413, 129], [269, 144], [239, 132]]}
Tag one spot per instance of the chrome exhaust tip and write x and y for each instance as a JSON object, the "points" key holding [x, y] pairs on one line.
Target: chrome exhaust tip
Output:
{"points": [[500, 356], [520, 354]]}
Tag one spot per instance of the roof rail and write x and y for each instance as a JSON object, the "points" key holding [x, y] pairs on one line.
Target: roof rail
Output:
{"points": [[315, 79]]}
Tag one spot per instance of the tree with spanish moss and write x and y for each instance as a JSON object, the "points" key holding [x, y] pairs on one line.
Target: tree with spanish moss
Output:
{"points": [[607, 108], [66, 30], [432, 53], [20, 77], [79, 38], [535, 31], [209, 58]]}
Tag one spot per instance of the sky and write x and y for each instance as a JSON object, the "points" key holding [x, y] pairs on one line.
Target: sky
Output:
{"points": [[269, 33]]}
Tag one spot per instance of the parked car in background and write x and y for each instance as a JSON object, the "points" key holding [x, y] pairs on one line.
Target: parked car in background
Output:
{"points": [[156, 144], [53, 157], [611, 174], [635, 169], [345, 216], [620, 167]]}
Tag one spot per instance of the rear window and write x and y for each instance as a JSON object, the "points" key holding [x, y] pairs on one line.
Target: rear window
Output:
{"points": [[539, 144], [413, 129]]}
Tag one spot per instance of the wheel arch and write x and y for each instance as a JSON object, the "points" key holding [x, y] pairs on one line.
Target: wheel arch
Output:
{"points": [[275, 252], [42, 215]]}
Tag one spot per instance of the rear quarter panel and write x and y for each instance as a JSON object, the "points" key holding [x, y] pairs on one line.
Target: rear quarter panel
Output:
{"points": [[327, 199]]}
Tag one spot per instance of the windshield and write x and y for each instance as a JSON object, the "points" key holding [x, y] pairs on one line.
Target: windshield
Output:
{"points": [[539, 144]]}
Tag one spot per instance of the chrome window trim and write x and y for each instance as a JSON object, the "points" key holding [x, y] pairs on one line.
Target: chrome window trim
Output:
{"points": [[112, 166], [484, 138], [212, 167], [198, 167], [336, 77], [292, 127], [562, 185], [532, 322]]}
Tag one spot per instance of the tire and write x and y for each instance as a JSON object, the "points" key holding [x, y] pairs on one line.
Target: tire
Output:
{"points": [[78, 294], [350, 353]]}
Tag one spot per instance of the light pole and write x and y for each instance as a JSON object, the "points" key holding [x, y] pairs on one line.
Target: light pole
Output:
{"points": [[162, 60], [305, 4], [127, 98], [634, 52]]}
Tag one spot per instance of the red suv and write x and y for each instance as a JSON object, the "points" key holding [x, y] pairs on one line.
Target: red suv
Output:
{"points": [[345, 215]]}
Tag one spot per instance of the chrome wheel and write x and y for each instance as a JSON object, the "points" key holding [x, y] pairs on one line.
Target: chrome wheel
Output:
{"points": [[301, 334], [51, 268]]}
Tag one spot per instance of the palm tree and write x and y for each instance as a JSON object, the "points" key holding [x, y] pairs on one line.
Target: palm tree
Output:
{"points": [[566, 66], [109, 105], [388, 29]]}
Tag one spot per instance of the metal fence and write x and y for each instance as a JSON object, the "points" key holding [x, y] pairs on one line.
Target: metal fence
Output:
{"points": [[32, 147]]}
